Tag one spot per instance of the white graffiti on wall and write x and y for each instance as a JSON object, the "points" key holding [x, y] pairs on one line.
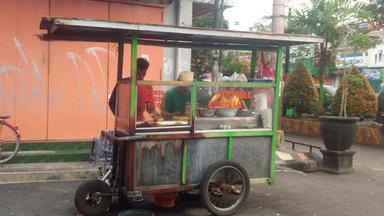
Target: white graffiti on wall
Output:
{"points": [[6, 68], [93, 51], [36, 70], [20, 48], [75, 57], [34, 93]]}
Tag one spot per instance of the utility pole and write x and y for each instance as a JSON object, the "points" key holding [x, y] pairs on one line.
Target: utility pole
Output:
{"points": [[278, 16], [287, 50], [218, 23], [278, 25]]}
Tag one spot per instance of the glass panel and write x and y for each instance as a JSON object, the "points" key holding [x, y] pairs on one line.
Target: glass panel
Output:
{"points": [[234, 108], [163, 106], [236, 65], [121, 105]]}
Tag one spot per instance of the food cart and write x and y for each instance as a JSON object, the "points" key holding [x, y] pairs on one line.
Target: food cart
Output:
{"points": [[218, 145]]}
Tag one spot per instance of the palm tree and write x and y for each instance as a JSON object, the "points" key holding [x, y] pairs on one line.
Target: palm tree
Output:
{"points": [[376, 8], [334, 20]]}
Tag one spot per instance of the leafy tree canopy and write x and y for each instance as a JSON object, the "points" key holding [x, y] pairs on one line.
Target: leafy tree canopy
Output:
{"points": [[203, 59], [334, 20], [375, 8], [361, 100]]}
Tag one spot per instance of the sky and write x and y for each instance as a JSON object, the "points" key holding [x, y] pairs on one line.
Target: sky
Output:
{"points": [[247, 12]]}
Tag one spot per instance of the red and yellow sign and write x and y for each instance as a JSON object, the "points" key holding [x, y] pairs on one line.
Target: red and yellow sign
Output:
{"points": [[229, 99]]}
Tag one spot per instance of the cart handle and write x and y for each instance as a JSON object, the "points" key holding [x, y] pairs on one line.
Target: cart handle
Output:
{"points": [[124, 138]]}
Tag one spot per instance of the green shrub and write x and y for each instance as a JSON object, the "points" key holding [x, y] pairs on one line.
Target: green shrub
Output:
{"points": [[361, 98], [300, 92]]}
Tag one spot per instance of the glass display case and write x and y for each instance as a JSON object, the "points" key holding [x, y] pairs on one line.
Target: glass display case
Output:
{"points": [[228, 108], [169, 106]]}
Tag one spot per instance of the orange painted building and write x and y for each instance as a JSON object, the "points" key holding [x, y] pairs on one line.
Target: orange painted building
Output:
{"points": [[59, 90]]}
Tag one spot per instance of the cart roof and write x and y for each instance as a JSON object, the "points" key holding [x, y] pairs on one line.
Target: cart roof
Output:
{"points": [[149, 34]]}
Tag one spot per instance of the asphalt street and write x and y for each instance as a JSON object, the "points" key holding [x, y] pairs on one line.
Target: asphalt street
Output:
{"points": [[294, 193]]}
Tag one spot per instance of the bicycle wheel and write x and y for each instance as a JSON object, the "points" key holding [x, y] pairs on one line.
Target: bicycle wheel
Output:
{"points": [[9, 142]]}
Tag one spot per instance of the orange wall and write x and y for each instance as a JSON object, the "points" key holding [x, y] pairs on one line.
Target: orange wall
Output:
{"points": [[59, 90]]}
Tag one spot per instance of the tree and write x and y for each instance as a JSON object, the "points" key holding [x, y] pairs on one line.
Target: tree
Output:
{"points": [[203, 59], [230, 63], [300, 92], [334, 20], [207, 21], [300, 53], [355, 96], [376, 10], [260, 27]]}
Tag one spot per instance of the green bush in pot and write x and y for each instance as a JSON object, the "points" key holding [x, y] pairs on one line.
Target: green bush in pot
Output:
{"points": [[300, 92], [355, 97]]}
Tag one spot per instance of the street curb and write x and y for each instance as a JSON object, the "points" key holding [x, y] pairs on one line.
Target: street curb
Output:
{"points": [[22, 173], [306, 162]]}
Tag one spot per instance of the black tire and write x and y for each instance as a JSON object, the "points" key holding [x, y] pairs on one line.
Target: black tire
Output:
{"points": [[9, 142], [231, 174], [93, 198]]}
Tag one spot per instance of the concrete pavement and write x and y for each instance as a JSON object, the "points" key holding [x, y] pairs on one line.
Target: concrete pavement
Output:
{"points": [[294, 193]]}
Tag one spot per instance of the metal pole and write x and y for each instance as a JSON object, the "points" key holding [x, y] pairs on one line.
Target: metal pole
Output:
{"points": [[286, 68], [216, 14], [133, 99], [253, 63], [120, 61], [276, 112], [177, 50]]}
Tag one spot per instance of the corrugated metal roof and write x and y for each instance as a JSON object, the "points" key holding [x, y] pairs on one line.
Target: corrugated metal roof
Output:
{"points": [[108, 31]]}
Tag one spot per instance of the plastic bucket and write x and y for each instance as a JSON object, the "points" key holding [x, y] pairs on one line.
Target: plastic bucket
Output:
{"points": [[164, 200]]}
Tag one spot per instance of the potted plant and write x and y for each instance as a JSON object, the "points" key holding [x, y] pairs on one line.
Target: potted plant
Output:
{"points": [[354, 99]]}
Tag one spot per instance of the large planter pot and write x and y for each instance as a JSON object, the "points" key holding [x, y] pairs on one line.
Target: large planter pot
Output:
{"points": [[338, 133]]}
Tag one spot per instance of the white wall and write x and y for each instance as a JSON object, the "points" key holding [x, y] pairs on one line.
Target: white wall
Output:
{"points": [[172, 56], [376, 56]]}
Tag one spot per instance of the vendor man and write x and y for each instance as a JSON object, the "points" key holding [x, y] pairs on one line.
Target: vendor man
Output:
{"points": [[145, 100], [176, 99]]}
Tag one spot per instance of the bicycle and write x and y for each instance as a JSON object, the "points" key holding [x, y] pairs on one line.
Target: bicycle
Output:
{"points": [[9, 140]]}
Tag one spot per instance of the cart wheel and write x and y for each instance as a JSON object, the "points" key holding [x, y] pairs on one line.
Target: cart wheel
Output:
{"points": [[224, 188], [93, 198]]}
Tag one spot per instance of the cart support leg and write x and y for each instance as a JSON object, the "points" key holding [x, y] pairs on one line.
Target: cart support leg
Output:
{"points": [[229, 148], [193, 107], [120, 61], [184, 164], [132, 106], [276, 113]]}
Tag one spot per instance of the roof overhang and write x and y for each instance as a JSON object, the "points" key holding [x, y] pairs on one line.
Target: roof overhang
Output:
{"points": [[107, 31]]}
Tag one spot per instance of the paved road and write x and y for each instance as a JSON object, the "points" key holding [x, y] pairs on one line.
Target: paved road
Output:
{"points": [[294, 193]]}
